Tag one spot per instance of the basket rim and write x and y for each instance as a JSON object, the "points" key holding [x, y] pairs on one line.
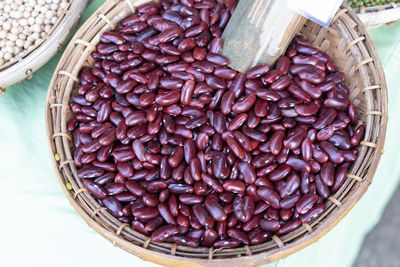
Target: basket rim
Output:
{"points": [[376, 8], [378, 15], [23, 66], [264, 257]]}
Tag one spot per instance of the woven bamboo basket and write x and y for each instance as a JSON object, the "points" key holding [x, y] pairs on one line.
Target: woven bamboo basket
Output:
{"points": [[346, 40], [378, 15], [30, 60]]}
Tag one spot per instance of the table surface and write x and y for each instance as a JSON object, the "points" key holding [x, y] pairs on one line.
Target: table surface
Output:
{"points": [[40, 228]]}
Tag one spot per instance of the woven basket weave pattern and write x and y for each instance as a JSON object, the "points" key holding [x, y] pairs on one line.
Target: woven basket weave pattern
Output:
{"points": [[346, 41]]}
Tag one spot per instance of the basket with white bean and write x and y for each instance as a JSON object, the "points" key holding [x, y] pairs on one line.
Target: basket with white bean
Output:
{"points": [[25, 24], [31, 32]]}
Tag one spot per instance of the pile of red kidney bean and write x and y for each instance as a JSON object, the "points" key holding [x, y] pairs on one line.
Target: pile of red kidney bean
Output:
{"points": [[187, 150]]}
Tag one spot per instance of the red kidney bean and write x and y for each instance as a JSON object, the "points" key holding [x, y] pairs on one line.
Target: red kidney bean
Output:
{"points": [[334, 155], [311, 90], [257, 71], [215, 209], [237, 122], [293, 141], [297, 164], [358, 134], [168, 98], [245, 104], [195, 234], [176, 157], [135, 188], [173, 205], [99, 130], [220, 166], [235, 186], [243, 208], [105, 178], [260, 207], [180, 189], [306, 149], [250, 225], [190, 199], [135, 118], [305, 203], [224, 73], [272, 76], [153, 224], [156, 186], [276, 142], [340, 176], [150, 200], [258, 136], [328, 173], [217, 59], [248, 172], [216, 43], [195, 169], [325, 133], [238, 235], [90, 172], [280, 173], [145, 214], [313, 213], [270, 196], [289, 226], [235, 147], [194, 223], [336, 103], [226, 197], [306, 109], [292, 184], [281, 83], [283, 64], [195, 30], [299, 93], [289, 201], [165, 213], [200, 188], [185, 241], [305, 60], [94, 188], [227, 102], [164, 232], [215, 82], [202, 216], [171, 83], [138, 226], [321, 187], [270, 225], [352, 113], [305, 49], [226, 243], [259, 238], [319, 155], [113, 205], [187, 92], [340, 140], [211, 182], [262, 160]]}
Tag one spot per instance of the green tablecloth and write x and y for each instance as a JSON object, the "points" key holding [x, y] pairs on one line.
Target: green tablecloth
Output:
{"points": [[39, 228]]}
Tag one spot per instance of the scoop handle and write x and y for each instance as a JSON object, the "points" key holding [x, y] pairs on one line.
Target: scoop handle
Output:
{"points": [[259, 32]]}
